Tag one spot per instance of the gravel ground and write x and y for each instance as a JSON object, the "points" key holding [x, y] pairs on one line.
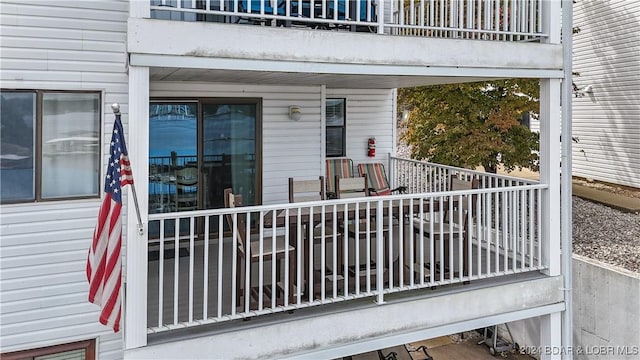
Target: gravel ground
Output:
{"points": [[606, 234]]}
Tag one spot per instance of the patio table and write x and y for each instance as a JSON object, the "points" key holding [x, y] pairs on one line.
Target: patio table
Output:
{"points": [[311, 216]]}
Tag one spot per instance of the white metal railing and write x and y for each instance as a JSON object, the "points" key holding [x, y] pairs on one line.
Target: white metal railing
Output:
{"points": [[421, 176], [342, 250], [504, 20], [497, 20]]}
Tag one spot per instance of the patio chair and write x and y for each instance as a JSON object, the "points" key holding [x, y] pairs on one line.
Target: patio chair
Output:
{"points": [[377, 179], [351, 187], [256, 5], [306, 190], [251, 249], [314, 190], [452, 229], [337, 167]]}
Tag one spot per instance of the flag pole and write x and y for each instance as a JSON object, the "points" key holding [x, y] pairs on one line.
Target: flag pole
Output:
{"points": [[116, 111]]}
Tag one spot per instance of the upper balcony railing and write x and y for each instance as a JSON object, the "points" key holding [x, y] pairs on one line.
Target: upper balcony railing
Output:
{"points": [[497, 20]]}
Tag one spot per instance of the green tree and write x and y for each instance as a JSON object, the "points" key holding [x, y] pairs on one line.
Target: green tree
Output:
{"points": [[472, 124]]}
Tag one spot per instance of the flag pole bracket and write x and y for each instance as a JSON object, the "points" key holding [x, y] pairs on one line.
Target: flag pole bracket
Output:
{"points": [[116, 111]]}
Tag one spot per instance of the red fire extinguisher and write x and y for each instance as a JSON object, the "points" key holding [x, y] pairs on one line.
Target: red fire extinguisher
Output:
{"points": [[371, 148]]}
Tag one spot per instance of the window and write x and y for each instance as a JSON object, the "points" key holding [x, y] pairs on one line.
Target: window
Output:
{"points": [[49, 145], [81, 350], [335, 127]]}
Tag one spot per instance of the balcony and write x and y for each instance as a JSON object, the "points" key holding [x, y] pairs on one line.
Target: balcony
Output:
{"points": [[367, 44], [494, 20], [343, 250]]}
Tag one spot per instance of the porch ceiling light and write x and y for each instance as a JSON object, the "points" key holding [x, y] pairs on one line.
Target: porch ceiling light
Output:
{"points": [[295, 112]]}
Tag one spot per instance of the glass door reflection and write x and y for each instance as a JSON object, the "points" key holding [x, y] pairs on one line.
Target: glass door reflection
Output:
{"points": [[229, 152], [173, 157]]}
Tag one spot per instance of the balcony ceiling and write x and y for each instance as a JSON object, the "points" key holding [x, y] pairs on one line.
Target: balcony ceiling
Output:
{"points": [[357, 81]]}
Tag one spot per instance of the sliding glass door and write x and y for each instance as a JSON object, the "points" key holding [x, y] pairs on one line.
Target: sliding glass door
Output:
{"points": [[173, 147], [229, 144], [197, 148]]}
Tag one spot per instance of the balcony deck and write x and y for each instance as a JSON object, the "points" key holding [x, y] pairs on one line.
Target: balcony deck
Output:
{"points": [[505, 238], [219, 298]]}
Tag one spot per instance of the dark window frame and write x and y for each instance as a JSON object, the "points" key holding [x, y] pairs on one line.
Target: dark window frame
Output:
{"points": [[200, 102], [343, 127], [38, 146], [88, 345]]}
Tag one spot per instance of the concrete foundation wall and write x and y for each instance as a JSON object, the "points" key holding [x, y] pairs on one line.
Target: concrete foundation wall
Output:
{"points": [[606, 313]]}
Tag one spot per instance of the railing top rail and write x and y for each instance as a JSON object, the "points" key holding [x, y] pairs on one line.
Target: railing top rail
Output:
{"points": [[363, 201], [476, 172]]}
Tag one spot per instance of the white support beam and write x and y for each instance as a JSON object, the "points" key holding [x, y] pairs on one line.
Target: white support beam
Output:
{"points": [[551, 21], [551, 154], [550, 172], [247, 48], [195, 62], [135, 311], [323, 129], [550, 337]]}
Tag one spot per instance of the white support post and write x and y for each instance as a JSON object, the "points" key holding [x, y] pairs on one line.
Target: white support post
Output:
{"points": [[380, 17], [550, 173], [550, 337], [550, 146], [135, 311], [140, 8], [551, 21], [566, 183], [394, 138], [323, 130], [551, 334]]}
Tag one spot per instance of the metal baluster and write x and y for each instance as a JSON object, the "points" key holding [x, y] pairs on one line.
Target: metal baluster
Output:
{"points": [[161, 275], [274, 272], [234, 263], [221, 264], [176, 269], [287, 254], [191, 259]]}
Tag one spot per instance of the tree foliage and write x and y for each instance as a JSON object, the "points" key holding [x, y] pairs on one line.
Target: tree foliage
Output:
{"points": [[472, 124]]}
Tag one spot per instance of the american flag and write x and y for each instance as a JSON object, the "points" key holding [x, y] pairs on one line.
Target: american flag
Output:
{"points": [[104, 267]]}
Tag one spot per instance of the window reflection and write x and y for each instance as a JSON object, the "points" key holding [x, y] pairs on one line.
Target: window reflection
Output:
{"points": [[17, 151], [229, 145], [70, 132], [335, 127], [172, 149]]}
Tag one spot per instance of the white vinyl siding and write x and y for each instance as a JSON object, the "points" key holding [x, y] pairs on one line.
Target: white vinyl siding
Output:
{"points": [[58, 45], [607, 122], [293, 148], [369, 114]]}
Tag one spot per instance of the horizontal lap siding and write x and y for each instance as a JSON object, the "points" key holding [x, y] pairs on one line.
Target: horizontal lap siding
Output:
{"points": [[57, 45], [607, 123], [369, 114], [293, 148]]}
